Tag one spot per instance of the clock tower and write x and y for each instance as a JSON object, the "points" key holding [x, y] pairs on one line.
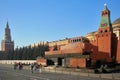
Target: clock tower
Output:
{"points": [[7, 44]]}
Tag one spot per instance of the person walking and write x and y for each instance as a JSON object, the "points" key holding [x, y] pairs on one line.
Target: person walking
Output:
{"points": [[15, 65], [40, 70], [32, 65]]}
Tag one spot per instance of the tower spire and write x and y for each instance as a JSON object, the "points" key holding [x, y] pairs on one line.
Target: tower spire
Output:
{"points": [[105, 7], [7, 33], [7, 43], [7, 25], [105, 19]]}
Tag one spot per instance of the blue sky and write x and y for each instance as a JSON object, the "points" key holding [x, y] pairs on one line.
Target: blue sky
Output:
{"points": [[32, 21]]}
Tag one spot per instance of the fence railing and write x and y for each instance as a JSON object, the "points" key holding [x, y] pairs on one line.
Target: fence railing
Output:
{"points": [[17, 61]]}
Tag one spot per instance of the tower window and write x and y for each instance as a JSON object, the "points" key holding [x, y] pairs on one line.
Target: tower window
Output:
{"points": [[106, 13], [101, 31], [106, 31]]}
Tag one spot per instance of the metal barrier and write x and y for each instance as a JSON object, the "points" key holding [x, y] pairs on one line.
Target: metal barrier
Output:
{"points": [[17, 61]]}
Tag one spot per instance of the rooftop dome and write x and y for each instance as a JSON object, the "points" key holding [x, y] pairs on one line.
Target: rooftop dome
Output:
{"points": [[117, 21]]}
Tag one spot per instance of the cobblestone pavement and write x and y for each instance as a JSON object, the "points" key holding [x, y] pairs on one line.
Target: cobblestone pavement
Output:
{"points": [[7, 73]]}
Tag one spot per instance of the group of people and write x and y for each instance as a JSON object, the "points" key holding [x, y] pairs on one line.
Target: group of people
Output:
{"points": [[36, 67], [18, 66]]}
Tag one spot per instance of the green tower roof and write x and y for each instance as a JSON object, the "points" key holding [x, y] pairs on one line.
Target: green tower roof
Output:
{"points": [[105, 18]]}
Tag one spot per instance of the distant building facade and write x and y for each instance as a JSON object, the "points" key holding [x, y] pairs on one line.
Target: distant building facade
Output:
{"points": [[116, 27], [103, 44], [7, 44]]}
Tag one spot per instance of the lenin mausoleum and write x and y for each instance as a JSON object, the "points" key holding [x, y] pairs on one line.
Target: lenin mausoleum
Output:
{"points": [[103, 44]]}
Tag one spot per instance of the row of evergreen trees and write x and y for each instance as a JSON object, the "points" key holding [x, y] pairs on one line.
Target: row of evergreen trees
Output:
{"points": [[25, 53]]}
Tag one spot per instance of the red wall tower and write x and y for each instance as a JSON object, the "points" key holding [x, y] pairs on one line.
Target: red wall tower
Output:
{"points": [[104, 36]]}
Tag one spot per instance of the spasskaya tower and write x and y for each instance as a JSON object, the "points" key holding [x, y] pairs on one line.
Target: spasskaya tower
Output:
{"points": [[7, 44]]}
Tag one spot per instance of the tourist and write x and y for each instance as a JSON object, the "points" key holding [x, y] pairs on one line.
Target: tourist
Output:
{"points": [[40, 70], [32, 65], [15, 65]]}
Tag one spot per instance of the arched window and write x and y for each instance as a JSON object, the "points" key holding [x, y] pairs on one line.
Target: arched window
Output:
{"points": [[106, 13], [106, 31], [101, 31]]}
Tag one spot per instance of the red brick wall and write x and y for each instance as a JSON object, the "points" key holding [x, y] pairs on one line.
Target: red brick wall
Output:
{"points": [[118, 51], [104, 43], [78, 62], [68, 49], [41, 61], [100, 48]]}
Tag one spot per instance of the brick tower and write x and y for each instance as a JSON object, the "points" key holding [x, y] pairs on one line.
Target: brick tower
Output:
{"points": [[104, 35], [7, 44]]}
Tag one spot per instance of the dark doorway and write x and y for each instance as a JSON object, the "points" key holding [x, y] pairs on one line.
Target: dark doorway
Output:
{"points": [[60, 61], [88, 61], [50, 62]]}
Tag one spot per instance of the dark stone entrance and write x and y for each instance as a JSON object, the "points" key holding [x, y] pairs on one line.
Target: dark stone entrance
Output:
{"points": [[60, 61]]}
